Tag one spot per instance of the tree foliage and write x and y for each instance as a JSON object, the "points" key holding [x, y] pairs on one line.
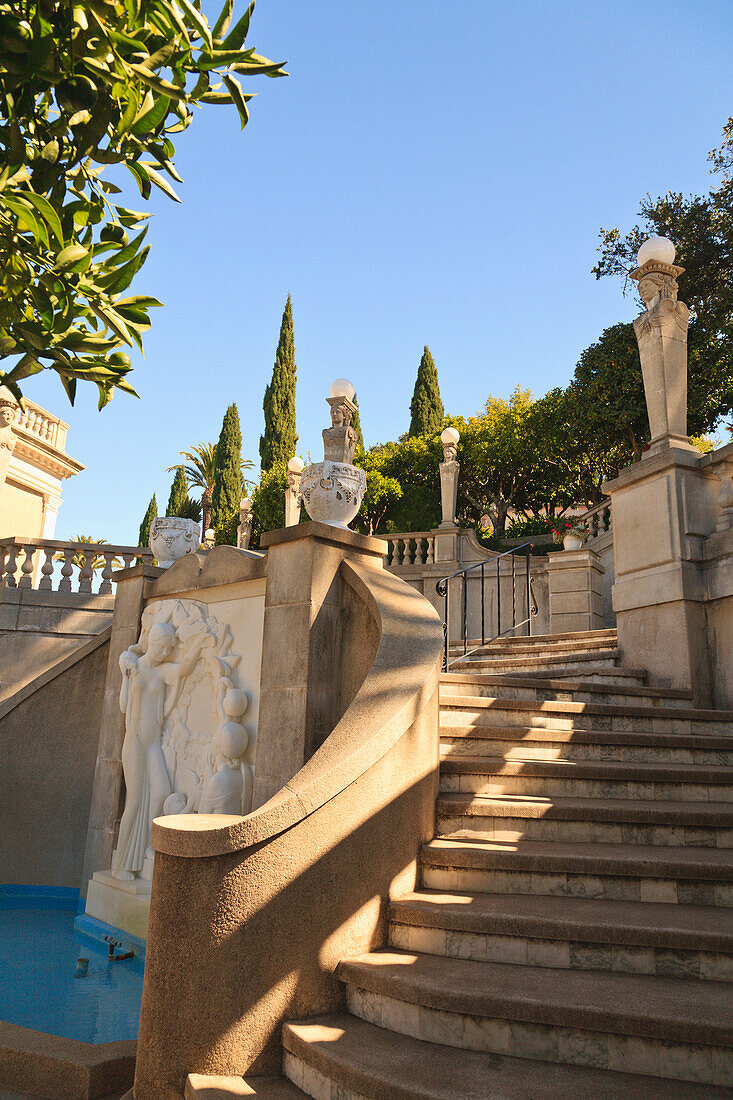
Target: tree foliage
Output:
{"points": [[143, 537], [702, 229], [85, 88], [228, 480], [278, 443], [356, 425], [426, 408], [177, 493]]}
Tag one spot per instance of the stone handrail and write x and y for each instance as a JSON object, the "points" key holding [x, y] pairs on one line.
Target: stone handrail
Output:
{"points": [[597, 521], [29, 550], [308, 872], [410, 548]]}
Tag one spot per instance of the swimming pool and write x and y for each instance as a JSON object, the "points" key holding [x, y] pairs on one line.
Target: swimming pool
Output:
{"points": [[39, 986]]}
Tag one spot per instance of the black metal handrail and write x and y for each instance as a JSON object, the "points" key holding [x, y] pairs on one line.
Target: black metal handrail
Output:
{"points": [[443, 589]]}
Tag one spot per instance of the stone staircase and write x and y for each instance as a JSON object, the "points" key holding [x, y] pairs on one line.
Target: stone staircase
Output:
{"points": [[573, 933]]}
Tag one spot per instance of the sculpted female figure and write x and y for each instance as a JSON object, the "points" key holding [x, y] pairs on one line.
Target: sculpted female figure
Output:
{"points": [[151, 684]]}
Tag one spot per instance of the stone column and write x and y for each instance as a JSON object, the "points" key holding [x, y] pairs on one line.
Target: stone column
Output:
{"points": [[8, 415], [664, 506], [107, 792], [292, 492], [244, 531], [449, 470], [576, 591], [300, 647]]}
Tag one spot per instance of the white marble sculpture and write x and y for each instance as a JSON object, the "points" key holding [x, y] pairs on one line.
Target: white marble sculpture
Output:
{"points": [[8, 415], [449, 470], [661, 333], [171, 537], [333, 490], [183, 710]]}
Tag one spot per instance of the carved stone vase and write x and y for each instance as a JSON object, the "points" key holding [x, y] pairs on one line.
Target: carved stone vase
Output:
{"points": [[332, 492], [572, 541], [172, 537]]}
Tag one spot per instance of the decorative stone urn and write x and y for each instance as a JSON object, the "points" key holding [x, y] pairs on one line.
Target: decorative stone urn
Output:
{"points": [[572, 541], [171, 537], [333, 490]]}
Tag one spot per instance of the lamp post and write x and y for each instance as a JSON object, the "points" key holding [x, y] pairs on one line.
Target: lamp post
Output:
{"points": [[244, 530], [292, 491], [449, 470]]}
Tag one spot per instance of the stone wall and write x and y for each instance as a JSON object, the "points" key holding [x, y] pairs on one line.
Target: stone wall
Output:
{"points": [[48, 733]]}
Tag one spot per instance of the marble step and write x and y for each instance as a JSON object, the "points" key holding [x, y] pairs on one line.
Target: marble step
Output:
{"points": [[600, 660], [620, 872], [568, 690], [665, 1027], [345, 1057], [586, 820], [615, 676], [201, 1086], [465, 710], [528, 743], [496, 777], [579, 640], [676, 941]]}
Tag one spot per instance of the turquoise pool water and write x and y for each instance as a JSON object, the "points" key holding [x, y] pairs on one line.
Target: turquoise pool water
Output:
{"points": [[39, 948]]}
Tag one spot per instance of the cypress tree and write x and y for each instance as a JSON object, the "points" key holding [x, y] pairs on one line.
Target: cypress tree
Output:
{"points": [[278, 442], [356, 425], [426, 407], [144, 537], [178, 494], [228, 484]]}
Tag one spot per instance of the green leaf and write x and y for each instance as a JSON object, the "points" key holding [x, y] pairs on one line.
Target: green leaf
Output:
{"points": [[27, 218], [71, 255], [157, 82], [236, 37], [152, 118], [142, 301], [162, 183], [47, 212], [112, 321], [225, 17], [198, 21], [239, 98], [141, 176], [69, 385]]}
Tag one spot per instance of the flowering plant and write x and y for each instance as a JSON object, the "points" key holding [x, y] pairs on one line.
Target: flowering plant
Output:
{"points": [[568, 527]]}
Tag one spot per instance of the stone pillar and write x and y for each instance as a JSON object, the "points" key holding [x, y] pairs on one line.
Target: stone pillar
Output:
{"points": [[449, 470], [107, 792], [8, 416], [244, 530], [576, 591], [664, 507], [292, 492], [300, 648]]}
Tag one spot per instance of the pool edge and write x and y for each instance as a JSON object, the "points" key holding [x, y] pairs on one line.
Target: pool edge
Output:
{"points": [[64, 1069]]}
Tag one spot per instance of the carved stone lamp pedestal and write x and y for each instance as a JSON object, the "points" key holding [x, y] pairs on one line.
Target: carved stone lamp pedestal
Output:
{"points": [[292, 492], [449, 470], [244, 530], [333, 490]]}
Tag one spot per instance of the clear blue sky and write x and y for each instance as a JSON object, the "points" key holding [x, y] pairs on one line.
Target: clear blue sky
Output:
{"points": [[430, 173]]}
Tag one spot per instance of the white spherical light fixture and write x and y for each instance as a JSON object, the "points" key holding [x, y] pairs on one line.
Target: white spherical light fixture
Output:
{"points": [[343, 388], [295, 465], [656, 248], [449, 435], [246, 504]]}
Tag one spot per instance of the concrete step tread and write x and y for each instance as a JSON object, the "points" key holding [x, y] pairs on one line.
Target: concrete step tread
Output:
{"points": [[202, 1086], [648, 924], [384, 1065], [520, 734], [601, 810], [563, 675], [604, 651], [564, 685], [687, 1011], [718, 774], [559, 707], [642, 860]]}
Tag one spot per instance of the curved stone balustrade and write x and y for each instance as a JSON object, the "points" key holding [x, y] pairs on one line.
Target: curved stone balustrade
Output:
{"points": [[30, 563], [250, 916], [410, 548]]}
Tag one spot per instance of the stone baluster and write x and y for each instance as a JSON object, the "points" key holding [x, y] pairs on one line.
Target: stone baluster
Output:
{"points": [[86, 573], [129, 559], [107, 573], [430, 551], [66, 570], [26, 568], [410, 546], [45, 584], [10, 567]]}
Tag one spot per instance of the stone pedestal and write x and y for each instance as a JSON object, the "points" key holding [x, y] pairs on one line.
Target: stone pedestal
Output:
{"points": [[576, 591], [124, 905], [664, 508], [301, 645], [448, 492]]}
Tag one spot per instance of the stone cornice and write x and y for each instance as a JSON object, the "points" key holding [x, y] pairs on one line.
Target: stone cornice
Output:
{"points": [[37, 452]]}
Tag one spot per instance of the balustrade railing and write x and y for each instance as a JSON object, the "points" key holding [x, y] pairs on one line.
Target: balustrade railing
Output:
{"points": [[505, 593], [38, 422], [597, 521], [410, 548], [20, 560]]}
